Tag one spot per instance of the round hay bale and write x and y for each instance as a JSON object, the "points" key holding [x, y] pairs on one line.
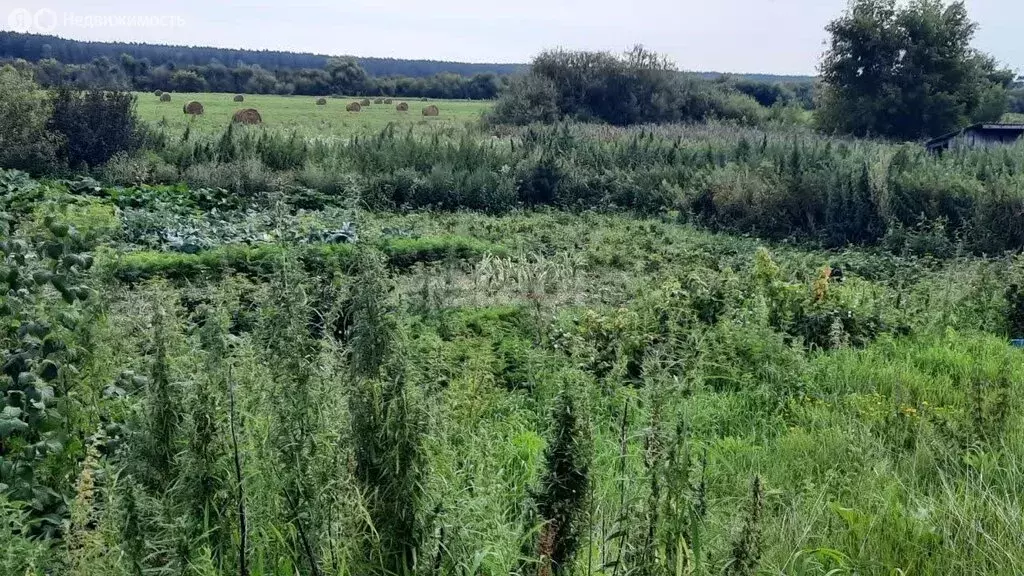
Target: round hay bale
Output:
{"points": [[247, 116], [193, 108], [423, 99], [378, 101], [431, 111], [388, 100], [165, 97], [321, 101], [353, 107], [239, 98], [402, 107], [158, 93], [364, 102]]}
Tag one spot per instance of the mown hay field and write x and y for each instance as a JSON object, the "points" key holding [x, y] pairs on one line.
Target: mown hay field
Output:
{"points": [[303, 113]]}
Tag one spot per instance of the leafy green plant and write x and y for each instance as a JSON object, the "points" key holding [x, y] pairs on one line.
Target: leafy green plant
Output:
{"points": [[387, 427], [746, 551], [43, 272], [286, 339], [566, 484]]}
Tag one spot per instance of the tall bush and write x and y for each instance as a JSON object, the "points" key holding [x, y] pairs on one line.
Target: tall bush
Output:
{"points": [[637, 87], [93, 125]]}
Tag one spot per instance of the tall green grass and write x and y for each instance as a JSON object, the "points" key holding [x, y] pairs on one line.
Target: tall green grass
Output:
{"points": [[779, 183], [604, 394]]}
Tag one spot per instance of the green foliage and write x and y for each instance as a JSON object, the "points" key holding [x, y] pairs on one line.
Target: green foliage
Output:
{"points": [[907, 71], [43, 292], [260, 259], [771, 93], [387, 427], [347, 77], [746, 552], [93, 126], [24, 142], [529, 98], [162, 423], [21, 553], [638, 87], [584, 391], [566, 484], [285, 338]]}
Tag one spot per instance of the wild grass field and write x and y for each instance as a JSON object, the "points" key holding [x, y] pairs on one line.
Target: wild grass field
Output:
{"points": [[382, 378], [301, 113]]}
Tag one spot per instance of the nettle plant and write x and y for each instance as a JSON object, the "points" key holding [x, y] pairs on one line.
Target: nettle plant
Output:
{"points": [[42, 269]]}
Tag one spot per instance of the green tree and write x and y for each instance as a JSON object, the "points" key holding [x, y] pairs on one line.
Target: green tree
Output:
{"points": [[907, 71], [260, 82], [24, 141], [347, 76], [637, 87], [187, 81], [528, 98]]}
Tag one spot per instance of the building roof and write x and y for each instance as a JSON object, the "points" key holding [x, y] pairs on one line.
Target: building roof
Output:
{"points": [[980, 127]]}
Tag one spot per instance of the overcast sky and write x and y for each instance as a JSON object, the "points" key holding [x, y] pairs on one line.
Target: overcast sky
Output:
{"points": [[770, 36]]}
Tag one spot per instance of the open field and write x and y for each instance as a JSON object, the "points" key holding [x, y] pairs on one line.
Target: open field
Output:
{"points": [[301, 113]]}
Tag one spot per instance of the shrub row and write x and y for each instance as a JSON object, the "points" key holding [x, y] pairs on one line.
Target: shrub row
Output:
{"points": [[783, 184]]}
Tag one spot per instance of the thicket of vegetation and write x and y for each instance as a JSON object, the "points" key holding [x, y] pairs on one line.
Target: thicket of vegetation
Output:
{"points": [[769, 93], [601, 395], [636, 88], [776, 184], [783, 182], [65, 129], [570, 348], [1016, 104]]}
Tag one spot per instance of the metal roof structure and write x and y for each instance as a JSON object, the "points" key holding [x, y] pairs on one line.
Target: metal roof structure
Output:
{"points": [[983, 133]]}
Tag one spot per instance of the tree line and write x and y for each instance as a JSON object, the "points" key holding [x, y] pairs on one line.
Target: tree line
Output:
{"points": [[337, 76], [35, 47]]}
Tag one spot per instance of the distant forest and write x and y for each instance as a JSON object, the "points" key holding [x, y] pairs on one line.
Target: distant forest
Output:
{"points": [[35, 47]]}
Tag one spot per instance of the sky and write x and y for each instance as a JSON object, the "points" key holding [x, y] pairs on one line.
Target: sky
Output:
{"points": [[765, 36]]}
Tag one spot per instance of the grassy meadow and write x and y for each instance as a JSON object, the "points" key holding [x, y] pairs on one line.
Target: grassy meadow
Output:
{"points": [[303, 114]]}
